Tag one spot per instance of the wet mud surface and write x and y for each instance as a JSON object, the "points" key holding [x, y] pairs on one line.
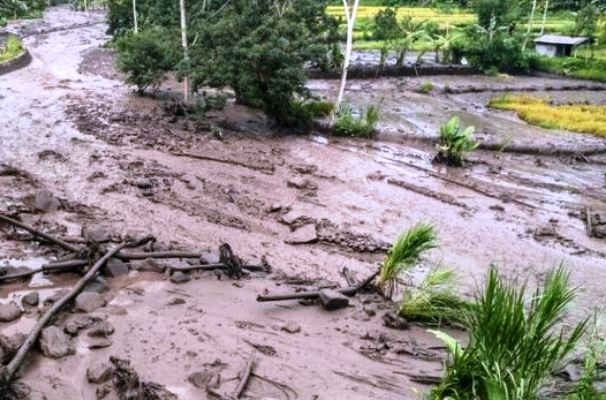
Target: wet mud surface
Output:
{"points": [[80, 149]]}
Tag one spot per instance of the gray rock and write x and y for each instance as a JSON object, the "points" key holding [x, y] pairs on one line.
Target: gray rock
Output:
{"points": [[302, 183], [179, 277], [303, 235], [99, 372], [98, 285], [31, 299], [332, 300], [79, 322], [96, 234], [143, 183], [9, 312], [291, 327], [599, 231], [55, 297], [392, 320], [101, 329], [45, 201], [175, 301], [54, 343], [88, 302], [115, 268], [151, 265], [9, 346]]}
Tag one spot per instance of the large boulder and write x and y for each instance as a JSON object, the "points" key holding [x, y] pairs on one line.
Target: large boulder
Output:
{"points": [[88, 302], [54, 343], [9, 312], [332, 300]]}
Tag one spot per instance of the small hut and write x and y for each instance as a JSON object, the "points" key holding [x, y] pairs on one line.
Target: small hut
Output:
{"points": [[558, 46]]}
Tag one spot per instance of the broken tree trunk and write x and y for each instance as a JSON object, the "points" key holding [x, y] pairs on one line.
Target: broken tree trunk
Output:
{"points": [[14, 364], [41, 234], [244, 377], [351, 291]]}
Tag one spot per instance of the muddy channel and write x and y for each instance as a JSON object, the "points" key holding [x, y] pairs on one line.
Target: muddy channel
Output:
{"points": [[79, 150]]}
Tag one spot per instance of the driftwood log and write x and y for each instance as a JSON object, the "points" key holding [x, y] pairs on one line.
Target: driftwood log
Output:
{"points": [[350, 291], [244, 376], [8, 373], [38, 233]]}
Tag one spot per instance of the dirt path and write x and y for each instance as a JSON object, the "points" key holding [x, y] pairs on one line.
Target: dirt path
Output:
{"points": [[72, 127]]}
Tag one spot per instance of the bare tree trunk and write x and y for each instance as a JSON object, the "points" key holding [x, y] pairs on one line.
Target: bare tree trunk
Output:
{"points": [[544, 16], [135, 16], [534, 8], [185, 53], [350, 15]]}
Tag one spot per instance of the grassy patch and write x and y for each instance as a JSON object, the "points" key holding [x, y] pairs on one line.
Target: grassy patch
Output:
{"points": [[364, 125], [537, 111], [11, 49], [582, 68]]}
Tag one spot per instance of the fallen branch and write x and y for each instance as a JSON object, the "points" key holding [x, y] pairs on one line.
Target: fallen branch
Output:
{"points": [[589, 223], [159, 254], [14, 364], [244, 377], [57, 267], [219, 266], [40, 234], [351, 291], [269, 170]]}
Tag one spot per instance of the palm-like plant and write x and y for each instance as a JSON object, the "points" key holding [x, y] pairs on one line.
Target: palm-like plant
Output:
{"points": [[455, 142], [514, 343], [405, 254]]}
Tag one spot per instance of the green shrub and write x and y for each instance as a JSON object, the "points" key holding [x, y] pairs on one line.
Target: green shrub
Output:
{"points": [[426, 87], [146, 57], [455, 142], [348, 124], [12, 48], [515, 342]]}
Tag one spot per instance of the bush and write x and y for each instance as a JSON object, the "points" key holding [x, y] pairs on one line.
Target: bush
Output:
{"points": [[13, 48], [348, 124], [146, 57], [426, 87], [455, 142], [515, 343]]}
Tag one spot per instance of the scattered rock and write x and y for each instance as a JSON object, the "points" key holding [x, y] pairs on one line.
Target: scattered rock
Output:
{"points": [[9, 346], [332, 300], [54, 343], [77, 323], [305, 234], [98, 285], [45, 201], [9, 312], [179, 277], [101, 329], [115, 268], [302, 183], [31, 299], [96, 234], [175, 301], [547, 230], [392, 320], [151, 265], [88, 302], [100, 343], [208, 378], [291, 327], [99, 372], [143, 184]]}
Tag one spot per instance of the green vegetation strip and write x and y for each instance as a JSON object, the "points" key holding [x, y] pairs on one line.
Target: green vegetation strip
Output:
{"points": [[12, 49], [537, 111]]}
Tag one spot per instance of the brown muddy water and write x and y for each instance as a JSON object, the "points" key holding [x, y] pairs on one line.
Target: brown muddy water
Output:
{"points": [[72, 127]]}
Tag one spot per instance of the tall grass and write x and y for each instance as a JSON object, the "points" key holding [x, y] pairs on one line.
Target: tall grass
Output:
{"points": [[595, 354], [537, 111], [348, 124], [405, 254], [515, 342]]}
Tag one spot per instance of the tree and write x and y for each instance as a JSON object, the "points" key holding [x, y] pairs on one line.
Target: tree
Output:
{"points": [[185, 53], [503, 11], [587, 23], [350, 16], [387, 29], [544, 16], [530, 21]]}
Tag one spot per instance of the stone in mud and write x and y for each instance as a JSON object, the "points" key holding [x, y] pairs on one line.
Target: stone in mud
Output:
{"points": [[303, 235], [293, 217], [151, 265], [100, 343], [9, 312], [291, 327], [30, 300], [99, 372], [115, 268], [101, 329], [78, 322], [9, 346], [55, 297], [96, 234], [45, 201], [88, 302], [544, 231], [599, 231], [98, 285], [302, 183], [143, 184], [54, 343], [332, 300], [392, 320], [175, 301], [209, 378], [179, 277]]}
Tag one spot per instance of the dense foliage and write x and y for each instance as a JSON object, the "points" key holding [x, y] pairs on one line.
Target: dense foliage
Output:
{"points": [[19, 8]]}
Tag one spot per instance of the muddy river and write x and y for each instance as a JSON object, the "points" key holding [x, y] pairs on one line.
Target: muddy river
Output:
{"points": [[71, 127]]}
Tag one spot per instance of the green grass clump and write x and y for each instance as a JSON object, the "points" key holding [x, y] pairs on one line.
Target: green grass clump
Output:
{"points": [[455, 142], [405, 254], [581, 68], [348, 124], [515, 342], [426, 87], [11, 49], [435, 300]]}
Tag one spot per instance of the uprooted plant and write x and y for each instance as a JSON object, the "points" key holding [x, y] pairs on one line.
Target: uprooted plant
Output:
{"points": [[435, 300], [515, 342], [455, 142], [405, 255]]}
